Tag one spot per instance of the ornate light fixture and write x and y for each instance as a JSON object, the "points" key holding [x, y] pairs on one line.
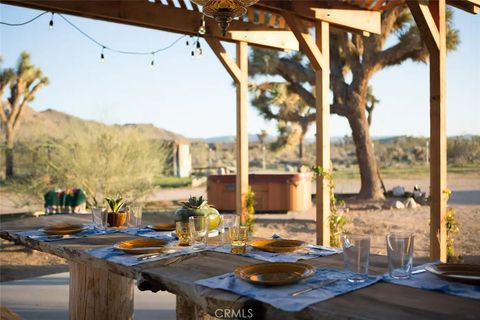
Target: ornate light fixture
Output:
{"points": [[223, 11]]}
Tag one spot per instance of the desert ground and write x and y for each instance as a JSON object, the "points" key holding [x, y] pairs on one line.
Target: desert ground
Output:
{"points": [[363, 218]]}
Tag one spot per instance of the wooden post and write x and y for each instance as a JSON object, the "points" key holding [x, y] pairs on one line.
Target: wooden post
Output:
{"points": [[239, 72], [318, 52], [438, 138], [322, 87], [99, 294], [431, 21], [242, 134]]}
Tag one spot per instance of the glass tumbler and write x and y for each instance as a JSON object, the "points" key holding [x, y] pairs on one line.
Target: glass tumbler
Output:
{"points": [[99, 218], [198, 231], [134, 217], [356, 255], [229, 221], [238, 239], [400, 254], [182, 229]]}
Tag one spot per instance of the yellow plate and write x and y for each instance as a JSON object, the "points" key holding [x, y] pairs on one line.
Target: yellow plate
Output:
{"points": [[277, 246], [469, 273], [142, 245], [275, 273], [63, 229], [163, 227]]}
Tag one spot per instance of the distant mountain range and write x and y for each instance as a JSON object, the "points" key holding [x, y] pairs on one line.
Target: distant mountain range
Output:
{"points": [[253, 138], [55, 125]]}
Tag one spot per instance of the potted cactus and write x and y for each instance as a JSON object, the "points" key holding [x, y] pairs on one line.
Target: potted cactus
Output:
{"points": [[198, 207], [116, 215]]}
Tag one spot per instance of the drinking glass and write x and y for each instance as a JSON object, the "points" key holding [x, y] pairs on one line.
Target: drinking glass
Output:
{"points": [[99, 218], [238, 239], [199, 231], [229, 221], [356, 253], [182, 229], [400, 254], [134, 217]]}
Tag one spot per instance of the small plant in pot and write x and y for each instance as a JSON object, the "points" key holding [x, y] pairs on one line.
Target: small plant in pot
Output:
{"points": [[198, 207], [116, 215]]}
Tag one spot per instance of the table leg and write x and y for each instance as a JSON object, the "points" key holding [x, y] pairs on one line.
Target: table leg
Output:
{"points": [[99, 294], [187, 310]]}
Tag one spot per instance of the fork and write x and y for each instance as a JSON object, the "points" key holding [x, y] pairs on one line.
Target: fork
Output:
{"points": [[322, 284]]}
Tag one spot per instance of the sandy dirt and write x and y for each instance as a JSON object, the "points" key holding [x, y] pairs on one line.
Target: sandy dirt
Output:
{"points": [[17, 262], [379, 222]]}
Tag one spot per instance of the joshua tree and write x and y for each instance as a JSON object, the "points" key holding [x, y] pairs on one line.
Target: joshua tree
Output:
{"points": [[24, 82], [354, 60], [262, 138], [274, 101]]}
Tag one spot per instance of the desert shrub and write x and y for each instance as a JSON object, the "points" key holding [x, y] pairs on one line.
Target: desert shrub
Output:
{"points": [[108, 164], [250, 199], [463, 150], [336, 220]]}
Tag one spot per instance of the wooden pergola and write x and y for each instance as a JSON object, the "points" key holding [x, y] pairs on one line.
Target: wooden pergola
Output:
{"points": [[284, 25]]}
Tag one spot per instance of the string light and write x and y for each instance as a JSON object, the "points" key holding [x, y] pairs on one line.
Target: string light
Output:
{"points": [[50, 24], [199, 50], [195, 51], [152, 64]]}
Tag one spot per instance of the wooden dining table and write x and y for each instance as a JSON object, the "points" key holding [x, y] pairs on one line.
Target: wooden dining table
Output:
{"points": [[100, 289]]}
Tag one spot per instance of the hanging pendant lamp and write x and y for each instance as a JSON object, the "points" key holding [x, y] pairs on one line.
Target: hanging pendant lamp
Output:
{"points": [[224, 11]]}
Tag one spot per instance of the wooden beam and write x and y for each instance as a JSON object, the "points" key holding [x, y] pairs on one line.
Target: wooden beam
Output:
{"points": [[161, 17], [360, 20], [322, 104], [425, 23], [472, 6], [242, 133], [431, 21], [307, 44], [229, 64], [285, 39]]}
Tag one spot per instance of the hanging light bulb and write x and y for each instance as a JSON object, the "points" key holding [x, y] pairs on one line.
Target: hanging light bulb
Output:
{"points": [[152, 64], [102, 56], [50, 24], [198, 49], [202, 30]]}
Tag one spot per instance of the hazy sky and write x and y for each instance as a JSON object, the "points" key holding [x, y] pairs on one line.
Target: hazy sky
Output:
{"points": [[195, 97]]}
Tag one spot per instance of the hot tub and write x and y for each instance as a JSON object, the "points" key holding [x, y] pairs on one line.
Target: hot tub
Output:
{"points": [[277, 192]]}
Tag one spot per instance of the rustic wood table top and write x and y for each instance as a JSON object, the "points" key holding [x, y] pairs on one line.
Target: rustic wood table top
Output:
{"points": [[178, 274]]}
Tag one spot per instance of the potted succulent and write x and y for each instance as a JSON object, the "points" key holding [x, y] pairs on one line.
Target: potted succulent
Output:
{"points": [[198, 207], [116, 214]]}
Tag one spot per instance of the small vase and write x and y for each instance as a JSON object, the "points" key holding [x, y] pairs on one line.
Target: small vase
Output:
{"points": [[116, 219]]}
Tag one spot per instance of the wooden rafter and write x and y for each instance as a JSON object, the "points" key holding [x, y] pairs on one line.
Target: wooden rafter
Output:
{"points": [[222, 55], [426, 23], [472, 6], [307, 44], [164, 17]]}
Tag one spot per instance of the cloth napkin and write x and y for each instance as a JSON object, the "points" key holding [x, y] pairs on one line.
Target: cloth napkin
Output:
{"points": [[115, 255], [279, 296], [428, 281], [39, 235], [150, 233], [310, 253]]}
